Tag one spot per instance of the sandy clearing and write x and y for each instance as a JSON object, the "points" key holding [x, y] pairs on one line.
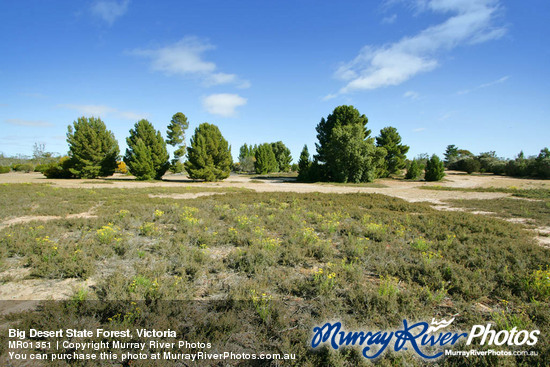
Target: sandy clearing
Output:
{"points": [[44, 218], [409, 191], [185, 196]]}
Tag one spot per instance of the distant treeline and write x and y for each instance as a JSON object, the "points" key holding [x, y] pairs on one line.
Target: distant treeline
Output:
{"points": [[521, 166], [345, 152]]}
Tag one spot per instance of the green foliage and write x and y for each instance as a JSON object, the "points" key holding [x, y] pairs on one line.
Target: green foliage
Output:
{"points": [[23, 167], [175, 136], [59, 169], [451, 154], [247, 158], [351, 157], [265, 159], [304, 165], [414, 171], [282, 156], [543, 163], [5, 169], [209, 156], [394, 160], [146, 156], [345, 153], [468, 165], [92, 148], [435, 169]]}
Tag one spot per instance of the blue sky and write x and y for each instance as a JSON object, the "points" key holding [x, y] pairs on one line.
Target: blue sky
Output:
{"points": [[473, 73]]}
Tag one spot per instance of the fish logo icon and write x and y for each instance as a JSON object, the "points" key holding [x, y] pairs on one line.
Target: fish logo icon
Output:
{"points": [[439, 325]]}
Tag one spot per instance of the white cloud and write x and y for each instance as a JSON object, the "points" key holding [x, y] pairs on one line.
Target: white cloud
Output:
{"points": [[223, 104], [109, 11], [88, 109], [33, 123], [484, 85], [420, 129], [185, 58], [446, 115], [392, 64], [103, 111], [389, 19], [411, 94]]}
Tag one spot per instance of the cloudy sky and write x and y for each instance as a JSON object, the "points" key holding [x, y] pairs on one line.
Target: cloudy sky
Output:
{"points": [[474, 73]]}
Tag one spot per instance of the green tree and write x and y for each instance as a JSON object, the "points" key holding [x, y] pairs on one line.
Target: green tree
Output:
{"points": [[282, 156], [352, 158], [304, 165], [209, 156], [342, 115], [394, 160], [146, 156], [414, 171], [435, 170], [543, 164], [355, 161], [451, 154], [265, 159], [247, 158], [93, 150], [175, 136]]}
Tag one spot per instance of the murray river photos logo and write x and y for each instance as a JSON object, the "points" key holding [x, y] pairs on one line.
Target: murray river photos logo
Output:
{"points": [[427, 340]]}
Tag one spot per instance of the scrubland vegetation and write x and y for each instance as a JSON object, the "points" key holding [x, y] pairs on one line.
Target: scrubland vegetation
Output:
{"points": [[257, 271]]}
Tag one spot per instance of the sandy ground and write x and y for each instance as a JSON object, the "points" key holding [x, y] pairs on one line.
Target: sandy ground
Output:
{"points": [[402, 189], [17, 285]]}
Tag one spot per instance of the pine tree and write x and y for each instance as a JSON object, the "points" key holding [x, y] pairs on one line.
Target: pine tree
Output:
{"points": [[394, 160], [93, 150], [282, 156], [337, 161], [414, 170], [265, 159], [146, 156], [209, 156], [175, 136], [435, 170], [304, 165]]}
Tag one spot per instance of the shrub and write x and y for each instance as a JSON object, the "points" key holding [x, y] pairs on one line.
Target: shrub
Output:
{"points": [[59, 169], [435, 170], [414, 171], [23, 167], [468, 165], [4, 169], [40, 168], [209, 156], [121, 167]]}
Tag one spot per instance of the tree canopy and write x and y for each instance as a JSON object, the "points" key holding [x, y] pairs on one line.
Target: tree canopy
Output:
{"points": [[394, 160], [266, 161], [345, 151], [93, 150], [209, 156], [282, 156], [146, 156]]}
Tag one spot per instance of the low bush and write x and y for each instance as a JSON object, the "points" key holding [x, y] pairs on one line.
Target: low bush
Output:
{"points": [[23, 167], [4, 169], [59, 169]]}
